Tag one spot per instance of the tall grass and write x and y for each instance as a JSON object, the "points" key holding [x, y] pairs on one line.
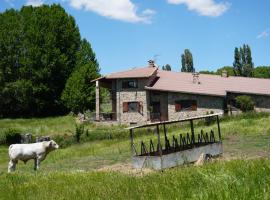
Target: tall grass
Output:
{"points": [[236, 179]]}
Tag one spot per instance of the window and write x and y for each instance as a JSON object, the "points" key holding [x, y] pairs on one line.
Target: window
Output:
{"points": [[134, 106], [183, 105], [129, 84]]}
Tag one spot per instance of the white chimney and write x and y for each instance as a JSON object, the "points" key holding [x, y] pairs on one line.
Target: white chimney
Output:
{"points": [[224, 74], [196, 76]]}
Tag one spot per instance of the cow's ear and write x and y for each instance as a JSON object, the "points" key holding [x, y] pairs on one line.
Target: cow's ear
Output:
{"points": [[50, 143]]}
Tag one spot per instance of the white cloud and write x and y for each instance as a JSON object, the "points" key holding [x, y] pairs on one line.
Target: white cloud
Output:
{"points": [[264, 34], [123, 10], [34, 2], [204, 7]]}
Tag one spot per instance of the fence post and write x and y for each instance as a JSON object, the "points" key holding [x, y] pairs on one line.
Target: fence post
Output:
{"points": [[159, 144], [219, 133], [192, 132]]}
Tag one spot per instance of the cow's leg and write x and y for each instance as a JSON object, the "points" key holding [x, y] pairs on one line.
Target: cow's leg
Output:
{"points": [[12, 165], [37, 163]]}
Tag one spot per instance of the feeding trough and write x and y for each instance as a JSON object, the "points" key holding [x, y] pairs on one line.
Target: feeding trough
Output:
{"points": [[179, 149]]}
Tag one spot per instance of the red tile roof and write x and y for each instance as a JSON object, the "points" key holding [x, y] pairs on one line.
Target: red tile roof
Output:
{"points": [[144, 72], [209, 84], [183, 82]]}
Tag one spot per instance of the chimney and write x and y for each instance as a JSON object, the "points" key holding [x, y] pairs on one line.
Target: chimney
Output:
{"points": [[224, 74], [151, 63], [196, 78]]}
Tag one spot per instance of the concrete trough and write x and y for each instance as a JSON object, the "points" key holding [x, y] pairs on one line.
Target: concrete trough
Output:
{"points": [[176, 158]]}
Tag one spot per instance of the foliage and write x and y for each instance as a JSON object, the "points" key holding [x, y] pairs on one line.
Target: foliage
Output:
{"points": [[262, 72], [243, 65], [245, 103], [39, 48], [79, 130], [10, 136], [167, 67], [79, 92], [187, 61]]}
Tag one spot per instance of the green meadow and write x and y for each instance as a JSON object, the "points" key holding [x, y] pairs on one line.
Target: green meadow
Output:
{"points": [[99, 167]]}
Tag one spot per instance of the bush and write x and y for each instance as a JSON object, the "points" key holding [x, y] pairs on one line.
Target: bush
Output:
{"points": [[10, 136], [245, 103], [79, 130]]}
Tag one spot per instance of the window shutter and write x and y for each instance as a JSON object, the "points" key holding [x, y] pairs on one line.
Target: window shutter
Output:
{"points": [[140, 107], [194, 106], [125, 106], [177, 107]]}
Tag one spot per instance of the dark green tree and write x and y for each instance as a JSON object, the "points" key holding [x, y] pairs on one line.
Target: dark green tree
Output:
{"points": [[79, 93], [38, 51], [243, 65], [166, 67], [187, 61]]}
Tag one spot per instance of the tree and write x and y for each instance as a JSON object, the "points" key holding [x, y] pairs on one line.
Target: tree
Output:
{"points": [[262, 72], [79, 94], [243, 65], [187, 61], [167, 67], [38, 52]]}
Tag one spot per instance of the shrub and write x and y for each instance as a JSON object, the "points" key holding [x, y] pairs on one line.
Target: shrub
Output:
{"points": [[245, 103], [79, 130], [10, 136]]}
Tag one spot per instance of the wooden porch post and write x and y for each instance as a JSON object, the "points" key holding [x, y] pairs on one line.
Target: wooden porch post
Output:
{"points": [[97, 102]]}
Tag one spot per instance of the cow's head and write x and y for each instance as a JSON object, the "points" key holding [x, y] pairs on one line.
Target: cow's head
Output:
{"points": [[53, 145]]}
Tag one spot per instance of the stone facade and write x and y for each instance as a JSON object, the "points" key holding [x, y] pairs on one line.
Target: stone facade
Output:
{"points": [[204, 104], [131, 95], [216, 104]]}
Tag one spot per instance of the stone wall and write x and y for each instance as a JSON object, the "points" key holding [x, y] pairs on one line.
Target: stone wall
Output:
{"points": [[128, 95], [204, 104]]}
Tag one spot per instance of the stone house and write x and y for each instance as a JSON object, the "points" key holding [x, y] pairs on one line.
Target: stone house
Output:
{"points": [[147, 94]]}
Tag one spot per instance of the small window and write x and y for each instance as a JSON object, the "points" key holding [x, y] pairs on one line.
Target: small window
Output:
{"points": [[183, 105], [132, 106], [129, 84]]}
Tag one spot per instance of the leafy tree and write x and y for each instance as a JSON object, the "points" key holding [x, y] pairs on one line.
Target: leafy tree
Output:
{"points": [[187, 61], [39, 49], [167, 67], [245, 103], [207, 72], [79, 94], [262, 72], [243, 65]]}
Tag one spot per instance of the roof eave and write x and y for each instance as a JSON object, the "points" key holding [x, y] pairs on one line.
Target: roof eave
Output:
{"points": [[187, 92]]}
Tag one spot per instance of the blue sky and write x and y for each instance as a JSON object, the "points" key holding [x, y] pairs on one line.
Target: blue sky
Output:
{"points": [[127, 33]]}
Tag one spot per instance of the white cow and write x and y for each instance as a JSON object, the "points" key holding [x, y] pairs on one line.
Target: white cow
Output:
{"points": [[24, 152]]}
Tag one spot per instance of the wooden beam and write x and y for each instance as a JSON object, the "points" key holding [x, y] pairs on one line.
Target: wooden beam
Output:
{"points": [[174, 121]]}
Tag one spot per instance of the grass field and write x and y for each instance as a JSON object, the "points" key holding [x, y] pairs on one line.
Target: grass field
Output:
{"points": [[74, 172]]}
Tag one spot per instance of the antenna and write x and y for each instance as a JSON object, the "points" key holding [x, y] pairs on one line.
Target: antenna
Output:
{"points": [[155, 57]]}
